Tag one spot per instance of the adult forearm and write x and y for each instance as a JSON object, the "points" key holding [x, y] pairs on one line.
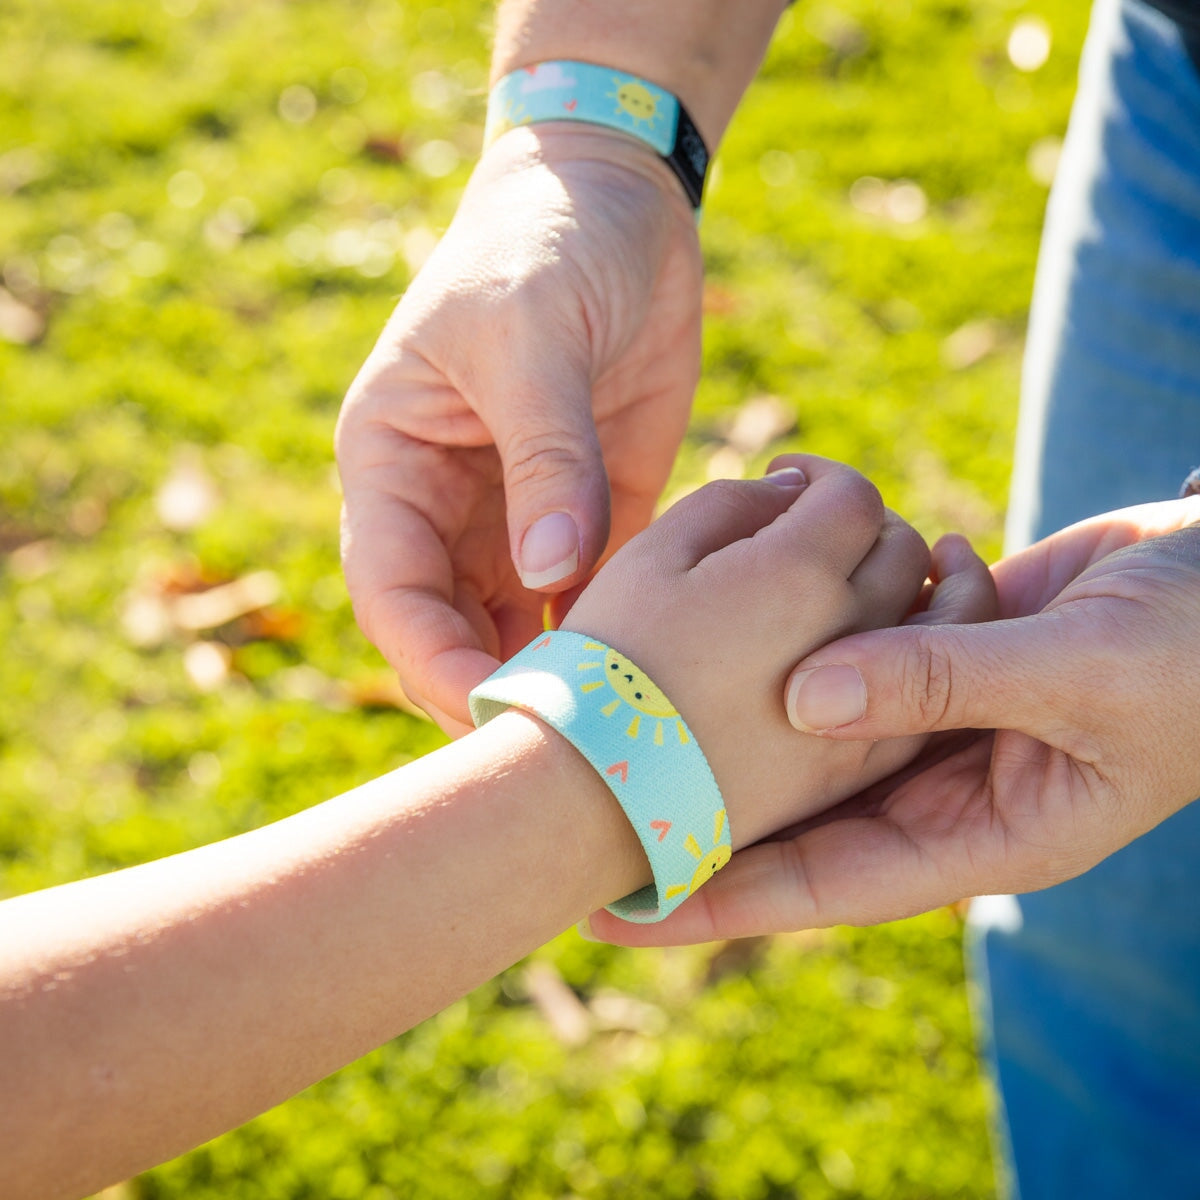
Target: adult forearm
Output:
{"points": [[146, 1011], [705, 51]]}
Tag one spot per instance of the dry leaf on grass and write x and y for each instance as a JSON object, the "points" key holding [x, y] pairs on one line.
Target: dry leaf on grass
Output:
{"points": [[382, 690], [181, 599], [613, 1010], [759, 422], [971, 343], [220, 605], [736, 958], [32, 560], [19, 323], [565, 1013]]}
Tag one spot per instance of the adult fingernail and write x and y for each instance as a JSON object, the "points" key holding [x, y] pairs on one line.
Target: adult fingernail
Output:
{"points": [[549, 550], [787, 477], [826, 697], [584, 929]]}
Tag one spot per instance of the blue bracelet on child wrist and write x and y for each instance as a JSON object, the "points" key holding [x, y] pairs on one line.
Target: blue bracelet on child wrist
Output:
{"points": [[637, 742]]}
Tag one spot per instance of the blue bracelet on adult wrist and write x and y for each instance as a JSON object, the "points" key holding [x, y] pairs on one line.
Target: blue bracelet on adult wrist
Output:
{"points": [[637, 742], [566, 90]]}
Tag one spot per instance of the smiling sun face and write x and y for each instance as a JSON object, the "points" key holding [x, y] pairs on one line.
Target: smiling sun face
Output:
{"points": [[636, 100], [633, 687], [709, 863]]}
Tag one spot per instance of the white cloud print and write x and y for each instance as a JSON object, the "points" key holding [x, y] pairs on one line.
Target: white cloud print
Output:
{"points": [[547, 76]]}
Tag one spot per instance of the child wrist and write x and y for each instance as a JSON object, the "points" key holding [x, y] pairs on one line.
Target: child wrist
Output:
{"points": [[638, 744], [596, 854]]}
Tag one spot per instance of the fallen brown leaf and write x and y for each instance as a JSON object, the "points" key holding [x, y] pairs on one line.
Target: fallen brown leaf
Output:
{"points": [[194, 611], [759, 422], [19, 323], [382, 691], [613, 1010], [386, 148], [272, 625], [736, 958], [565, 1013], [32, 560], [971, 343]]}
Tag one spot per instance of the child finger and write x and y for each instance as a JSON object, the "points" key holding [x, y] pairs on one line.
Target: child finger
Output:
{"points": [[963, 590], [888, 581], [824, 535], [718, 514]]}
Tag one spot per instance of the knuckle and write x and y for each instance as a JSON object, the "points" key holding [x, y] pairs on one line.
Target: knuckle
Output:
{"points": [[927, 688], [535, 457], [912, 542], [860, 499], [741, 503], [729, 493]]}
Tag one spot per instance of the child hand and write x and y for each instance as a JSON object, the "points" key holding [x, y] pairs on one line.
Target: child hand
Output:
{"points": [[720, 597]]}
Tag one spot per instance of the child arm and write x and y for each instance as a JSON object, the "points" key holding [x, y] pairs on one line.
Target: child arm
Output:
{"points": [[145, 1011]]}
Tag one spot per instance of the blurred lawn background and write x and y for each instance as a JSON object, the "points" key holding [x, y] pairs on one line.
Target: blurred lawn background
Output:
{"points": [[207, 210]]}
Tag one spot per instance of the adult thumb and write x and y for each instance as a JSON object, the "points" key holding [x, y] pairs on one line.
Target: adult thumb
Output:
{"points": [[555, 484], [925, 678]]}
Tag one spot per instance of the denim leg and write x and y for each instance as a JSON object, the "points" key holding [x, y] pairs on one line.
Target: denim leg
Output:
{"points": [[1093, 987]]}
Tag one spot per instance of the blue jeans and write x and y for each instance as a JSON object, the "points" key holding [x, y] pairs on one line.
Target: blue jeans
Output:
{"points": [[1092, 988]]}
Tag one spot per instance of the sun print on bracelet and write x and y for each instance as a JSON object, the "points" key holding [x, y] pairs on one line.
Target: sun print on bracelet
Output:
{"points": [[635, 688], [569, 90], [710, 862], [636, 99], [638, 743]]}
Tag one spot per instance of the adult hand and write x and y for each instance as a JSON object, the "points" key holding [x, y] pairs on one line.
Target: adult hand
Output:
{"points": [[1088, 686], [522, 408]]}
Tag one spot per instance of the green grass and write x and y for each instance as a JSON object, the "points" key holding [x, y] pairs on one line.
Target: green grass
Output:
{"points": [[212, 252]]}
